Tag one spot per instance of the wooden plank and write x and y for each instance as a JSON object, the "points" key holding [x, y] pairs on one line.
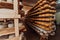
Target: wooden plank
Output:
{"points": [[7, 31], [8, 14], [0, 0], [8, 5], [9, 1]]}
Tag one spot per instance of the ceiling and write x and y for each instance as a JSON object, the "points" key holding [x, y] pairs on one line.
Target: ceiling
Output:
{"points": [[32, 2], [29, 2]]}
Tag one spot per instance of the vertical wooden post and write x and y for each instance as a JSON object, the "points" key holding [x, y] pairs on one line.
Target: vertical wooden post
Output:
{"points": [[21, 36], [16, 27], [16, 6], [16, 20]]}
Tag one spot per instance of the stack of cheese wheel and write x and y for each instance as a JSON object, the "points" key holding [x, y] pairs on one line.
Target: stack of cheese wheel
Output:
{"points": [[41, 17]]}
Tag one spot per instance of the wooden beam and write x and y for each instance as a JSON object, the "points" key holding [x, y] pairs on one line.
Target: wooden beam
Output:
{"points": [[7, 31], [8, 14], [8, 5], [10, 1], [0, 0]]}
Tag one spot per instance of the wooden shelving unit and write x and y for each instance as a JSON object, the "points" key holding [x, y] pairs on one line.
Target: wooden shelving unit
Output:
{"points": [[11, 14], [7, 31]]}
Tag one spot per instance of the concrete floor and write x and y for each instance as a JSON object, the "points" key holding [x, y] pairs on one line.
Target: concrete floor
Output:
{"points": [[34, 36], [57, 36]]}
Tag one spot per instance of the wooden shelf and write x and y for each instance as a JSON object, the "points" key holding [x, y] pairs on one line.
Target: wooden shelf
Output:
{"points": [[8, 5], [7, 31]]}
